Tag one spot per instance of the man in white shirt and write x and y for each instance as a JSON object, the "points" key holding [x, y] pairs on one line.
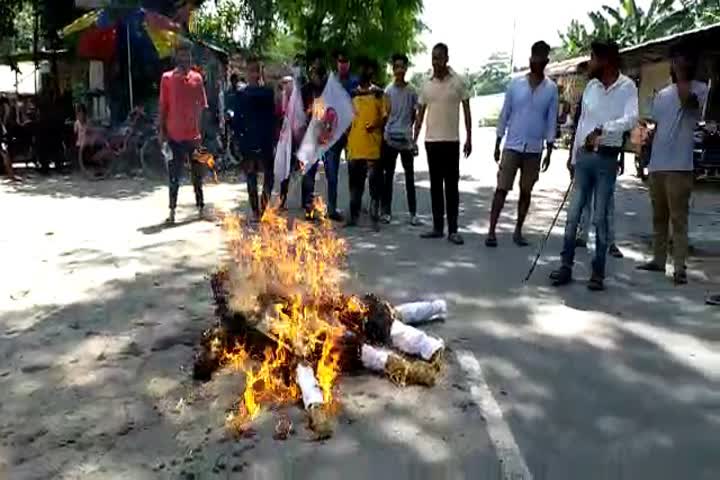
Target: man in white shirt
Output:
{"points": [[676, 112], [609, 109]]}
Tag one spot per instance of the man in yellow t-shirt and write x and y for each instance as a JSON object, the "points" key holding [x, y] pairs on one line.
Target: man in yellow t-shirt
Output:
{"points": [[364, 142]]}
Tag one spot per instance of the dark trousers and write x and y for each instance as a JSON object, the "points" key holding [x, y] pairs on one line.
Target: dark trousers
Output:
{"points": [[182, 155], [358, 171], [444, 164], [266, 163], [331, 161], [388, 163]]}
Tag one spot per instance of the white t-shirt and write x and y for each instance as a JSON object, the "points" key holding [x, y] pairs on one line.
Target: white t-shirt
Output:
{"points": [[442, 99]]}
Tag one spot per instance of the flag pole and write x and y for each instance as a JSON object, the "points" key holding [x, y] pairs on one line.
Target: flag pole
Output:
{"points": [[129, 61]]}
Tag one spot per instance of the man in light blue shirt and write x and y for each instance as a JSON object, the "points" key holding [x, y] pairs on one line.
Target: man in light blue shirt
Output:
{"points": [[676, 111], [528, 118]]}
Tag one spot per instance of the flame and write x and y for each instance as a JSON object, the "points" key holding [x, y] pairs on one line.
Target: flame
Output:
{"points": [[288, 274]]}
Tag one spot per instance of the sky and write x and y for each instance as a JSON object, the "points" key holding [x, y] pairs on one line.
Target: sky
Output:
{"points": [[473, 31]]}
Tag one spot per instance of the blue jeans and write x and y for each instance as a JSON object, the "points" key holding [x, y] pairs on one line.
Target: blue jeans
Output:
{"points": [[588, 219], [331, 161], [594, 173]]}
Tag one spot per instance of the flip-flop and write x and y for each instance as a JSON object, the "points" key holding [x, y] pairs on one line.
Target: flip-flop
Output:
{"points": [[713, 300], [520, 241], [491, 242]]}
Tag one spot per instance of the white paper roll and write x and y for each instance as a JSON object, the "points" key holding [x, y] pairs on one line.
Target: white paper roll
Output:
{"points": [[410, 340], [374, 358], [311, 393], [420, 312]]}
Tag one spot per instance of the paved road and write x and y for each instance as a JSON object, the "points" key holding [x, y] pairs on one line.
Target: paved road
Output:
{"points": [[100, 307]]}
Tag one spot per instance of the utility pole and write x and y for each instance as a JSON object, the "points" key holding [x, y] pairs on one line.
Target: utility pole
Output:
{"points": [[512, 49]]}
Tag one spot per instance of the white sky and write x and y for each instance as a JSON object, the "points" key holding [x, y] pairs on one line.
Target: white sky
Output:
{"points": [[473, 30]]}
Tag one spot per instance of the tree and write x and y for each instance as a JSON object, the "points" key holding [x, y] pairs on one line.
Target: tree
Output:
{"points": [[627, 24], [493, 77], [244, 24], [9, 9], [419, 78], [702, 12], [632, 25], [376, 28]]}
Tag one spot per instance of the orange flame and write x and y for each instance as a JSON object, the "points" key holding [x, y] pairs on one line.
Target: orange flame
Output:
{"points": [[296, 264]]}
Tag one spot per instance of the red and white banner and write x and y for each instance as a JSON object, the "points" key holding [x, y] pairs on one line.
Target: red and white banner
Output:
{"points": [[332, 114], [293, 122]]}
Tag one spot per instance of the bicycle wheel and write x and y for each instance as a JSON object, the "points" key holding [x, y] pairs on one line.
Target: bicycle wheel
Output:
{"points": [[152, 160]]}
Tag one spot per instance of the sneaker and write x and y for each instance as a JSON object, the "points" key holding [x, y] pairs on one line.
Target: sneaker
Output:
{"points": [[432, 234], [561, 276], [680, 277], [615, 252], [386, 219], [596, 283], [415, 221], [651, 267], [171, 217], [580, 243], [456, 238], [336, 216]]}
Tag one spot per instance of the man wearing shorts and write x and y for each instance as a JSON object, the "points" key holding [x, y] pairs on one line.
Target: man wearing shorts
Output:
{"points": [[528, 117]]}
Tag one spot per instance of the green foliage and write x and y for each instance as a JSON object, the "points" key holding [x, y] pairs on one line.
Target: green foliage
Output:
{"points": [[9, 9], [490, 120], [628, 24], [376, 28], [419, 78], [493, 77], [220, 23]]}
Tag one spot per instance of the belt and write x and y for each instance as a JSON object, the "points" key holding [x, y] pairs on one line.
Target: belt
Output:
{"points": [[608, 151]]}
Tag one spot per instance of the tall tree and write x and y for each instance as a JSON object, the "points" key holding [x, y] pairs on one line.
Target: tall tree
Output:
{"points": [[376, 28], [492, 77], [628, 24], [245, 24]]}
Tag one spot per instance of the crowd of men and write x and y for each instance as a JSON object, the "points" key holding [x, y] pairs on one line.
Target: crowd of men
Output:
{"points": [[387, 124], [606, 116]]}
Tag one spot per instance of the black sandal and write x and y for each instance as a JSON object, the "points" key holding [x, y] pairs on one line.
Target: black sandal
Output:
{"points": [[520, 241], [491, 242]]}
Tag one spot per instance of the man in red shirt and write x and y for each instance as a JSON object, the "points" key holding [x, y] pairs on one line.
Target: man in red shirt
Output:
{"points": [[182, 102]]}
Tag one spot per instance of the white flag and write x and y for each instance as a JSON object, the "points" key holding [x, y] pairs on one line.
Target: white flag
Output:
{"points": [[332, 114], [293, 121]]}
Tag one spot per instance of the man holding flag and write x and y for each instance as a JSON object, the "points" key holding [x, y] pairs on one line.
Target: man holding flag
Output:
{"points": [[331, 112], [294, 121]]}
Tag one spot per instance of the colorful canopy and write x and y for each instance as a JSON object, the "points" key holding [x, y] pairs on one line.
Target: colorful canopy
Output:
{"points": [[103, 34]]}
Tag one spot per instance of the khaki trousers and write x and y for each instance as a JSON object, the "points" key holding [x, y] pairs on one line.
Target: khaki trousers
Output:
{"points": [[670, 195]]}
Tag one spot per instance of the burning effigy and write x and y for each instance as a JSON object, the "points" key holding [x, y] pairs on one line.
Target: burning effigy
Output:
{"points": [[284, 320]]}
